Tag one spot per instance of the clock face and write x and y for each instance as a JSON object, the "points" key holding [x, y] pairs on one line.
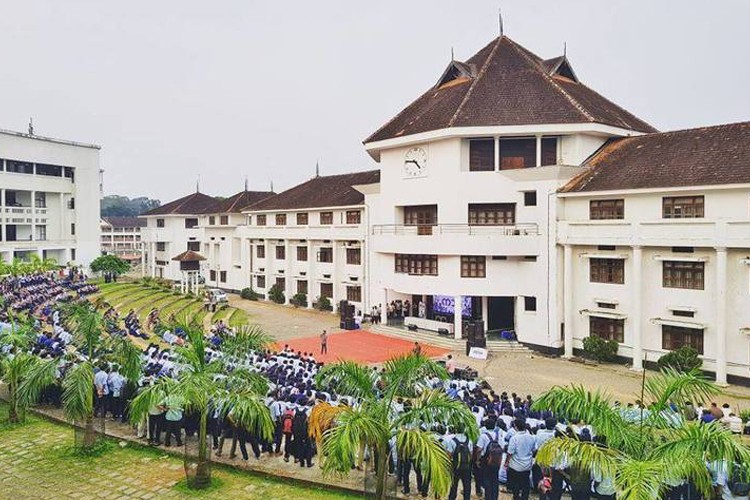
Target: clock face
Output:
{"points": [[415, 163]]}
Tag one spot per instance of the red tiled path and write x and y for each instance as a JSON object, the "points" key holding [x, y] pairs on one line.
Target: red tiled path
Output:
{"points": [[360, 345]]}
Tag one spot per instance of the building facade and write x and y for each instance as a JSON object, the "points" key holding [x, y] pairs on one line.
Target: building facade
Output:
{"points": [[50, 192], [121, 236]]}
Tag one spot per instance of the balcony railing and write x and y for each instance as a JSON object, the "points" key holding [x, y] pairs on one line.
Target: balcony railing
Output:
{"points": [[528, 229]]}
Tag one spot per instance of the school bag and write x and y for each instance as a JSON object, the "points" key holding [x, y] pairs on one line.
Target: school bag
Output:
{"points": [[299, 424], [493, 455], [461, 455], [286, 421]]}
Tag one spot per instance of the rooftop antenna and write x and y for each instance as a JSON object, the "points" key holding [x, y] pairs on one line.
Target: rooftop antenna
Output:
{"points": [[500, 20], [317, 168], [245, 183], [453, 58], [31, 126], [198, 184], [565, 49], [272, 186]]}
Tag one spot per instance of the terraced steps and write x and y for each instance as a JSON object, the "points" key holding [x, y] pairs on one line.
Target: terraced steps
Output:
{"points": [[427, 337]]}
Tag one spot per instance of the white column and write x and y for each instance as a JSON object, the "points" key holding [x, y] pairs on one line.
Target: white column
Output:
{"points": [[636, 319], [2, 213], [310, 275], [63, 218], [384, 308], [497, 154], [143, 260], [721, 318], [539, 151], [335, 275], [152, 256], [458, 317], [485, 313], [290, 283], [269, 258], [568, 299], [33, 216]]}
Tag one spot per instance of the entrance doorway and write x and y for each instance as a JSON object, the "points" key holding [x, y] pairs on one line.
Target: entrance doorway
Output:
{"points": [[501, 314]]}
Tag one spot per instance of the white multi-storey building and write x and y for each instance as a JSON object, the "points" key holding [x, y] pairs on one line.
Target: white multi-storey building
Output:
{"points": [[121, 236], [656, 238], [464, 218], [50, 193]]}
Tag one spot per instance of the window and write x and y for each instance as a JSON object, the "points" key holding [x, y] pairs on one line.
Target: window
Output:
{"points": [[302, 254], [482, 155], [280, 252], [260, 251], [326, 290], [606, 209], [223, 276], [159, 222], [72, 204], [677, 274], [607, 271], [354, 256], [529, 198], [260, 281], [70, 174], [517, 153], [260, 219], [674, 337], [161, 246], [354, 293], [353, 217], [191, 223], [19, 167], [40, 199], [281, 283], [73, 229], [420, 215], [51, 170], [41, 233], [302, 219], [73, 254], [224, 220], [302, 286], [492, 214], [607, 329], [281, 219], [529, 304], [473, 266], [426, 265], [211, 220], [194, 246], [212, 275], [683, 314], [549, 151], [325, 254], [326, 218], [682, 207]]}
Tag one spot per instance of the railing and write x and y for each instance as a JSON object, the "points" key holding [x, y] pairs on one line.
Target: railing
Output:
{"points": [[528, 229]]}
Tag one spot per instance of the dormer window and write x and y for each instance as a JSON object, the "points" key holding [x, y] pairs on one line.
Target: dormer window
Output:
{"points": [[456, 73]]}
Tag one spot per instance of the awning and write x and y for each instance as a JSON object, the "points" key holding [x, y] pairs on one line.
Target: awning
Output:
{"points": [[681, 324], [676, 258], [616, 256], [602, 313]]}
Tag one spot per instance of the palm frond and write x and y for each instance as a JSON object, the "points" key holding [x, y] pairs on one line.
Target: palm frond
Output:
{"points": [[246, 381], [149, 397], [321, 418], [250, 412], [436, 407], [709, 442], [434, 462], [347, 377], [672, 386], [640, 479], [78, 392], [127, 356], [404, 376], [41, 374], [247, 338], [341, 443], [586, 455]]}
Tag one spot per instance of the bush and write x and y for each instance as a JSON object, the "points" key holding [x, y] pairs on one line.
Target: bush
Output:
{"points": [[276, 294], [324, 304], [599, 349], [249, 294], [684, 359], [299, 300]]}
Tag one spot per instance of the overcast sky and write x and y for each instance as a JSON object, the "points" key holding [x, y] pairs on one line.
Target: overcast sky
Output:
{"points": [[235, 88]]}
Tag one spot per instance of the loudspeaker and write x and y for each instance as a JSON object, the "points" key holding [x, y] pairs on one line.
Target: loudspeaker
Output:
{"points": [[346, 311], [411, 328]]}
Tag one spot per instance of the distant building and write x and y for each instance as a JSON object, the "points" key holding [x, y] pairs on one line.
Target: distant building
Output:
{"points": [[50, 190], [121, 236]]}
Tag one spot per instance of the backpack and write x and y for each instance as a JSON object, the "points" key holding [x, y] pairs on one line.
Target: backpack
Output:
{"points": [[299, 424], [461, 456], [493, 455], [738, 484], [286, 421]]}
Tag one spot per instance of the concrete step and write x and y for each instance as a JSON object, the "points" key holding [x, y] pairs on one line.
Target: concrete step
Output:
{"points": [[432, 338]]}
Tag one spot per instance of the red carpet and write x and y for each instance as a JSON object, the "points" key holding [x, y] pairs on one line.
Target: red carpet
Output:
{"points": [[360, 345]]}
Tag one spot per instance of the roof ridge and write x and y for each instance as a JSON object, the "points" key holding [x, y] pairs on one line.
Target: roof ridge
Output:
{"points": [[475, 81], [578, 106], [704, 127]]}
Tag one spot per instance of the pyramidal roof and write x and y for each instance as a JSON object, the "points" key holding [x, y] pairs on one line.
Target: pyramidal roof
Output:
{"points": [[235, 203], [505, 84], [193, 203]]}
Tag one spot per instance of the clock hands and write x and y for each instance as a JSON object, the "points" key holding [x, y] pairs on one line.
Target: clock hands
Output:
{"points": [[415, 162]]}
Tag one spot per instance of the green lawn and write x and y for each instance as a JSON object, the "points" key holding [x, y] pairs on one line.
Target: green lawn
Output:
{"points": [[36, 463]]}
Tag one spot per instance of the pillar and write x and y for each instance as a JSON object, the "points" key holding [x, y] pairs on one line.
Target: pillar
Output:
{"points": [[335, 275], [485, 313], [33, 216], [497, 154], [384, 308], [269, 258], [152, 257], [721, 315], [458, 318], [310, 275], [290, 288], [539, 151], [568, 299], [636, 320], [2, 215]]}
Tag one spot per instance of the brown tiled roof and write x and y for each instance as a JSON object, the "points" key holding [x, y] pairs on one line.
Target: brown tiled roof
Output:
{"points": [[512, 86], [695, 157], [324, 191], [188, 256], [235, 204], [191, 204], [125, 221]]}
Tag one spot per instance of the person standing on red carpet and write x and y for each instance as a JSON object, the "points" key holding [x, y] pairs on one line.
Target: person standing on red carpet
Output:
{"points": [[324, 342]]}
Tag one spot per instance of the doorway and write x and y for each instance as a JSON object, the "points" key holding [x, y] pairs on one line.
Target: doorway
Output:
{"points": [[501, 314]]}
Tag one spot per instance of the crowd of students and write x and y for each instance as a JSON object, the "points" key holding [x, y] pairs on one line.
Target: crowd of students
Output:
{"points": [[511, 430]]}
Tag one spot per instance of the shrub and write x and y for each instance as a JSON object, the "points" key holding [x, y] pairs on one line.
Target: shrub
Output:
{"points": [[249, 294], [599, 349], [324, 304], [684, 359], [299, 300], [745, 414], [276, 294]]}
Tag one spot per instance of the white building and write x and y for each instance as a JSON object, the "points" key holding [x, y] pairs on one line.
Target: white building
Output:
{"points": [[121, 236], [50, 192], [656, 238], [465, 212]]}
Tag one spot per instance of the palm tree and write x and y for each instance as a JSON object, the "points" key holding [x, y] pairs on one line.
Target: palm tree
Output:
{"points": [[650, 448], [203, 384], [16, 364], [96, 346], [373, 422]]}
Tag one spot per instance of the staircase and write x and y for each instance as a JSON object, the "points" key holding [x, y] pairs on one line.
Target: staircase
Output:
{"points": [[432, 338]]}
